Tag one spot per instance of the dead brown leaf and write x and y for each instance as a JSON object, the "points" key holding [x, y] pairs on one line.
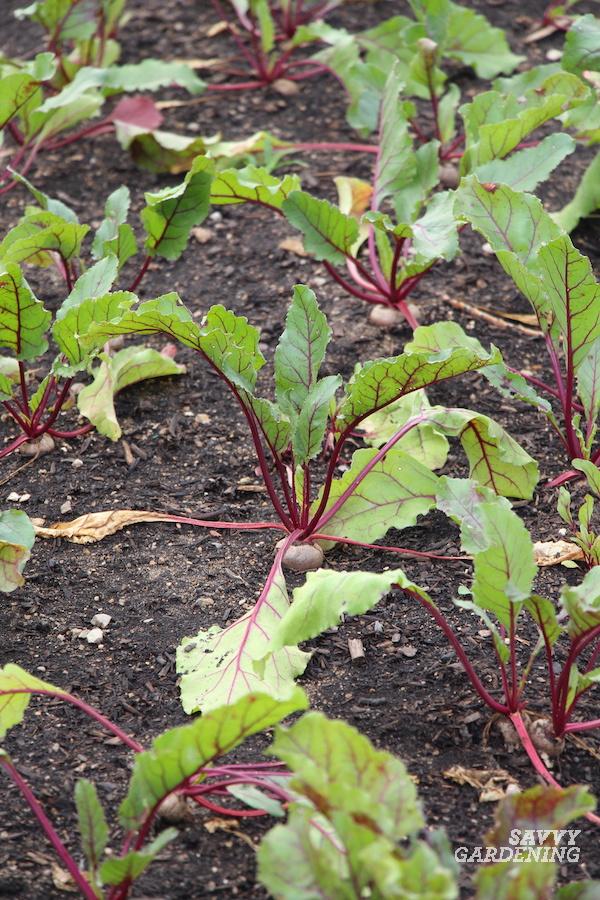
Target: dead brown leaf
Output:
{"points": [[62, 880], [229, 825], [552, 553], [217, 28], [293, 245], [491, 783], [212, 62], [92, 527]]}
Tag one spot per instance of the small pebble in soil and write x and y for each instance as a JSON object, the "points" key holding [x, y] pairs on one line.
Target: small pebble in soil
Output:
{"points": [[101, 620], [95, 636]]}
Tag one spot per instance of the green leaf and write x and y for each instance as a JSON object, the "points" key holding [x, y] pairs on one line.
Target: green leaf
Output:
{"points": [[260, 8], [311, 424], [582, 45], [129, 867], [79, 319], [326, 597], [220, 665], [395, 165], [544, 615], [495, 459], [274, 424], [114, 235], [48, 203], [424, 442], [95, 282], [127, 367], [91, 822], [16, 92], [148, 75], [40, 234], [499, 542], [16, 686], [328, 233], [171, 213], [6, 386], [582, 604], [181, 752], [25, 321], [586, 198], [392, 494], [523, 171], [382, 381], [226, 339], [300, 351], [495, 124], [252, 185], [591, 472], [340, 773]]}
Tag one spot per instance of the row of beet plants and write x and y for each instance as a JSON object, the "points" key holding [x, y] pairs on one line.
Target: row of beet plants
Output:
{"points": [[370, 840]]}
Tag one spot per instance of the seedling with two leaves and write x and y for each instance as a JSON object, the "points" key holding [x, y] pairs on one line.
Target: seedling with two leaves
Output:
{"points": [[46, 102], [50, 234], [182, 766], [381, 489], [390, 232]]}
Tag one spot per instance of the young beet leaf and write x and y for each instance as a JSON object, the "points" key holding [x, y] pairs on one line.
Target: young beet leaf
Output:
{"points": [[182, 765], [559, 283], [357, 827], [266, 34], [50, 235], [382, 488]]}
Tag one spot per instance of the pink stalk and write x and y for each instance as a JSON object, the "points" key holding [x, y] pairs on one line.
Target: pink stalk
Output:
{"points": [[376, 299], [457, 647], [235, 526], [84, 707], [412, 423], [48, 828], [582, 726], [404, 551], [540, 768], [144, 268], [67, 435], [362, 277], [14, 445]]}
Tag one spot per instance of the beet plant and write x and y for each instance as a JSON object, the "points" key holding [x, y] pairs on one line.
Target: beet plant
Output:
{"points": [[384, 236], [46, 103], [565, 656], [559, 283], [50, 234], [183, 765], [356, 828], [381, 488], [267, 34]]}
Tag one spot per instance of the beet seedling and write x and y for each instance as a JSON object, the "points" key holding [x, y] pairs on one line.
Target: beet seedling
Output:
{"points": [[267, 34], [182, 765], [382, 488], [51, 235]]}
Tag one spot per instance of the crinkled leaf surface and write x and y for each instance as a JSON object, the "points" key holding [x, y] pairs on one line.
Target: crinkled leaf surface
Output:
{"points": [[78, 320], [424, 442], [170, 214], [328, 233], [301, 350], [24, 321], [395, 491], [129, 867], [38, 235], [252, 185], [582, 603], [582, 45]]}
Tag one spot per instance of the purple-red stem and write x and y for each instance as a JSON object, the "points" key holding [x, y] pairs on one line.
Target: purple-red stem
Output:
{"points": [[48, 828]]}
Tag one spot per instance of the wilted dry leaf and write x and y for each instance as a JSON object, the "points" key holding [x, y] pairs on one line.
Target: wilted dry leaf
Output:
{"points": [[540, 33], [491, 783], [62, 881], [230, 825], [552, 553], [217, 28], [92, 527], [293, 245], [212, 62]]}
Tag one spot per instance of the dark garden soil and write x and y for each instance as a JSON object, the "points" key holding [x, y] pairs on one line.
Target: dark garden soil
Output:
{"points": [[191, 454]]}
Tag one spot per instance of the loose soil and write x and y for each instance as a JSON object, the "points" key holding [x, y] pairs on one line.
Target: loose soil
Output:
{"points": [[193, 455]]}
